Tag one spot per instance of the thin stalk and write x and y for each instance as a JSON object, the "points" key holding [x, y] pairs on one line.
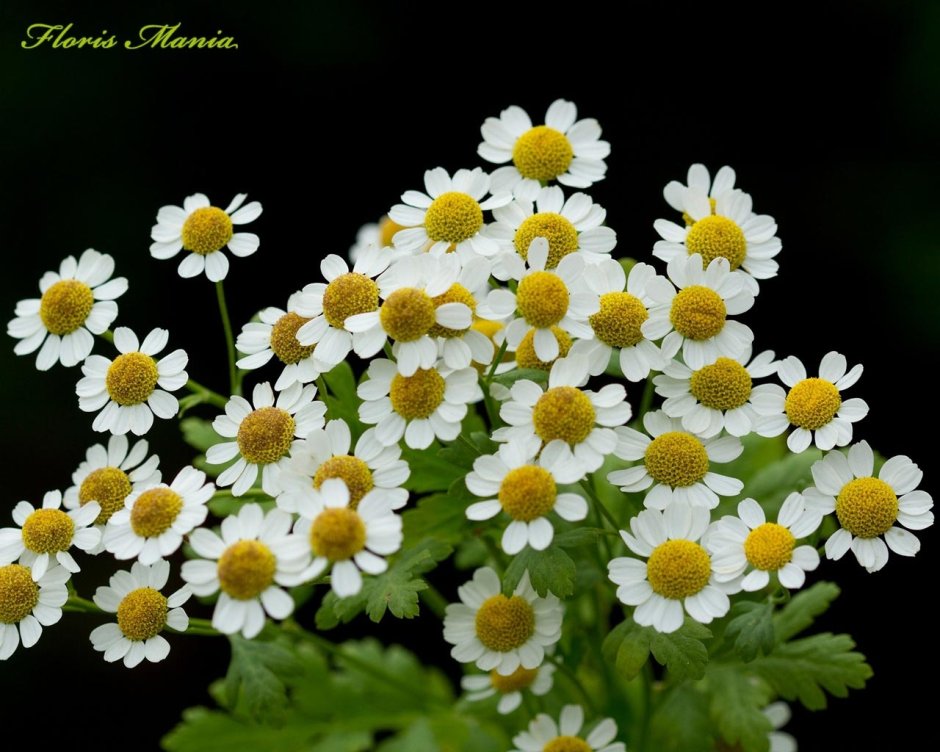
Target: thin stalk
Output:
{"points": [[207, 395], [229, 338], [573, 679]]}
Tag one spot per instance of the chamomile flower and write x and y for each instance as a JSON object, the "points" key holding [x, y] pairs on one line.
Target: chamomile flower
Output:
{"points": [[499, 632], [126, 387], [254, 556], [564, 149], [325, 454], [45, 535], [676, 463], [873, 512], [749, 543], [27, 605], [263, 435], [719, 396], [275, 335], [430, 403], [376, 235], [204, 230], [76, 303], [579, 417], [544, 735], [696, 317], [538, 681], [522, 481], [813, 406], [678, 575], [699, 178], [154, 520], [143, 612], [459, 347]]}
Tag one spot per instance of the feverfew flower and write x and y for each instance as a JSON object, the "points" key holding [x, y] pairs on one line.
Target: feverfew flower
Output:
{"points": [[375, 235], [699, 178], [538, 681], [275, 335], [544, 735], [28, 605]]}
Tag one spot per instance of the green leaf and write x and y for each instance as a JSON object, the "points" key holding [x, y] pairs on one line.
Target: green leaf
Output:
{"points": [[344, 741], [429, 471], [203, 730], [511, 377], [736, 704], [442, 517], [253, 685], [550, 571], [752, 629], [341, 382], [803, 609], [681, 722], [628, 648], [773, 482], [682, 652], [199, 433]]}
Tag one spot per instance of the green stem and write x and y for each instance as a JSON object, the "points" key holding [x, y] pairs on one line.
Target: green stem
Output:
{"points": [[201, 628], [573, 679], [496, 554], [322, 391], [467, 443], [107, 335], [497, 359], [207, 395], [388, 351], [76, 604], [586, 485], [229, 338], [433, 599]]}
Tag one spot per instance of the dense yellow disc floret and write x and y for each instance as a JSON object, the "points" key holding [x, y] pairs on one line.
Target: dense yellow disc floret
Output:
{"points": [[769, 546], [284, 342], [65, 306], [561, 235], [18, 593], [867, 507], [417, 396], [565, 413], [453, 217], [528, 492], [717, 237], [206, 230], [812, 403], [109, 486], [542, 299], [407, 314], [723, 385], [678, 568], [619, 319], [542, 153], [338, 533], [131, 378], [265, 435], [246, 569], [142, 614], [504, 624], [154, 511], [676, 459], [698, 312], [47, 531]]}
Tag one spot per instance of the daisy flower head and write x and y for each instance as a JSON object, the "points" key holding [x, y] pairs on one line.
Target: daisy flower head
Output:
{"points": [[544, 735], [27, 605], [563, 148], [499, 632], [538, 681], [522, 481], [375, 235], [126, 389], [263, 434], [873, 512], [426, 405], [676, 463], [346, 537], [580, 418], [143, 612], [247, 565], [459, 347], [275, 336], [45, 535], [154, 520], [449, 216], [749, 543], [678, 575], [813, 406], [695, 318], [719, 396], [204, 230], [699, 179]]}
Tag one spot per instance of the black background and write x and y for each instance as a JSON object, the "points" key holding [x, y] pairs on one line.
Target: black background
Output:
{"points": [[327, 112]]}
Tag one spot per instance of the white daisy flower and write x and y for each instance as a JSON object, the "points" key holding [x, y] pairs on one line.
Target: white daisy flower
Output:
{"points": [[778, 713], [126, 387], [75, 304], [872, 511], [45, 535], [430, 403], [449, 216], [581, 418], [564, 149], [254, 556], [719, 396], [676, 463], [375, 235], [154, 520], [459, 347], [749, 542], [346, 537], [678, 574], [263, 435], [544, 735], [204, 231], [275, 335], [522, 481], [538, 681], [28, 605], [498, 632], [142, 614], [695, 317], [814, 406], [699, 178]]}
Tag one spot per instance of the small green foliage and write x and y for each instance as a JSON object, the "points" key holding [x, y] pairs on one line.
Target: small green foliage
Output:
{"points": [[550, 571], [736, 704], [752, 629], [803, 608], [517, 374], [682, 652], [254, 686]]}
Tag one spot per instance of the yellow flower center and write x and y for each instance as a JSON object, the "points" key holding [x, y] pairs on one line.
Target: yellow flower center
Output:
{"points": [[347, 295], [338, 533], [352, 470], [131, 378], [723, 385], [387, 230], [407, 314], [567, 744], [542, 298], [47, 531], [698, 312], [619, 319], [521, 678], [687, 218], [65, 306], [867, 507], [812, 403], [417, 396], [18, 593], [206, 230], [154, 511], [284, 339], [246, 569], [527, 492], [715, 236], [265, 435], [565, 413], [456, 294], [561, 235], [504, 624], [525, 353], [142, 614], [676, 459], [542, 153], [769, 546], [109, 486], [453, 217], [678, 568]]}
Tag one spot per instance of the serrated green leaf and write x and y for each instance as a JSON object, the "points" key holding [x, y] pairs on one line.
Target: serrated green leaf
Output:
{"points": [[803, 608], [628, 648], [342, 402], [199, 433], [253, 684], [344, 741], [736, 704], [517, 374], [429, 471], [752, 629], [682, 652], [204, 730], [550, 571], [681, 722], [442, 517]]}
